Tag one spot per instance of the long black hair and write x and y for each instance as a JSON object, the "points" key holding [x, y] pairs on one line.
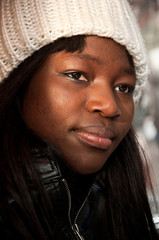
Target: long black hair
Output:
{"points": [[124, 183]]}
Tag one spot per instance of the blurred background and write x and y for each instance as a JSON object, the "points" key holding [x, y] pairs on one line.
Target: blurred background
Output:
{"points": [[146, 119]]}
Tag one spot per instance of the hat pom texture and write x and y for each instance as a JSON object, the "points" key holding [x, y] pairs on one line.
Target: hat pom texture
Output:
{"points": [[28, 25]]}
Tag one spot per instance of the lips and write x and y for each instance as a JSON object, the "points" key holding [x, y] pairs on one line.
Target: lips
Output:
{"points": [[98, 137]]}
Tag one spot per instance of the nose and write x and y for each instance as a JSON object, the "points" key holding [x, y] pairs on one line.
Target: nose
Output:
{"points": [[103, 100]]}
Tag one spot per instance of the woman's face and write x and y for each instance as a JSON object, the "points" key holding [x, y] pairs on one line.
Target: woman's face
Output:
{"points": [[82, 102]]}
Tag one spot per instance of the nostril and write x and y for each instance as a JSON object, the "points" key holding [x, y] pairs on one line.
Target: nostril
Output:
{"points": [[106, 108], [112, 115]]}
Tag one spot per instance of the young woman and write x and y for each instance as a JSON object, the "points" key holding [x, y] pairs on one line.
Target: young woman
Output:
{"points": [[70, 164]]}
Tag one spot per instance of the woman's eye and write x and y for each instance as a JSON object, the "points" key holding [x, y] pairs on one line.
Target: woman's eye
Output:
{"points": [[125, 89], [76, 76]]}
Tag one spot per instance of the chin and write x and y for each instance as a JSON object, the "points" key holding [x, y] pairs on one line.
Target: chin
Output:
{"points": [[86, 170]]}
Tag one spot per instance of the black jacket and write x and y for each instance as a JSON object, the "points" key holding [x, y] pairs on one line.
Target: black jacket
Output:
{"points": [[78, 201]]}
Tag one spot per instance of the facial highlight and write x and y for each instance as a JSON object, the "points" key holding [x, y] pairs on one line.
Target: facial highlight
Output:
{"points": [[82, 102]]}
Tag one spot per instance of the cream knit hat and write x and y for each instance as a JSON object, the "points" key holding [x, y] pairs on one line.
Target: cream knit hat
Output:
{"points": [[28, 25]]}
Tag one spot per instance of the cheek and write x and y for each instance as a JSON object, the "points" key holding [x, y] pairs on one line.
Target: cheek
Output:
{"points": [[61, 106], [129, 109], [127, 117], [50, 112]]}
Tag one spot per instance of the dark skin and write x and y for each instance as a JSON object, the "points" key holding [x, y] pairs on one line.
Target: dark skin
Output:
{"points": [[82, 103]]}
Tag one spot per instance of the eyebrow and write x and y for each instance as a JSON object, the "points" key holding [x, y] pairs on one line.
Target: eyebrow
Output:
{"points": [[88, 57], [128, 70]]}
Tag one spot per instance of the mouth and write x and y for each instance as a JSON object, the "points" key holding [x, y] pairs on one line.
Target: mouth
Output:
{"points": [[97, 137]]}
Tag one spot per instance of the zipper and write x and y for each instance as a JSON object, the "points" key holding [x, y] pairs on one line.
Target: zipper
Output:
{"points": [[73, 226], [75, 221], [69, 200], [76, 229]]}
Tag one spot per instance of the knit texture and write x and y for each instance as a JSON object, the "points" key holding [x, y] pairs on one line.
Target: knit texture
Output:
{"points": [[28, 25]]}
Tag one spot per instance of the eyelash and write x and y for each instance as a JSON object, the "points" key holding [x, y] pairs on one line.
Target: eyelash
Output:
{"points": [[77, 77], [127, 89], [71, 74]]}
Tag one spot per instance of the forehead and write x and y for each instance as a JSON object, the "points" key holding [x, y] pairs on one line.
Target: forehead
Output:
{"points": [[103, 46], [98, 51], [101, 50]]}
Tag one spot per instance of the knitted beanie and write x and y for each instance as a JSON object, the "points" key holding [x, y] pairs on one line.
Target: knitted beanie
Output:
{"points": [[28, 25]]}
